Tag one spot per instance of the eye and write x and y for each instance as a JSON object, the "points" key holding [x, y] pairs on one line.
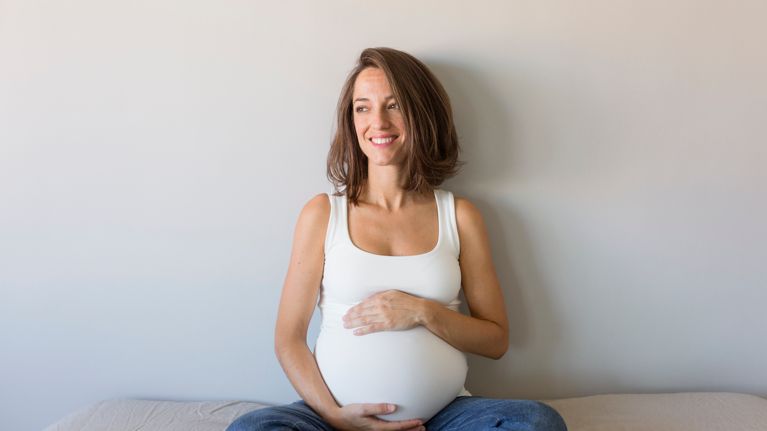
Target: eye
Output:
{"points": [[394, 105], [359, 109]]}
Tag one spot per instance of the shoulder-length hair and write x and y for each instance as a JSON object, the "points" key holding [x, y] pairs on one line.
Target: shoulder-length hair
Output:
{"points": [[431, 141]]}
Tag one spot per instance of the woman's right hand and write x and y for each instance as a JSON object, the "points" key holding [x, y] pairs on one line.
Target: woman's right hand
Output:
{"points": [[360, 417]]}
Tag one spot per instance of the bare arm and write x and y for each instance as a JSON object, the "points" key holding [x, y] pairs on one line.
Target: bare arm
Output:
{"points": [[297, 303], [486, 331]]}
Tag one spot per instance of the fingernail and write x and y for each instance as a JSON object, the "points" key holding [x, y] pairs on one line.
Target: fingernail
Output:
{"points": [[390, 407]]}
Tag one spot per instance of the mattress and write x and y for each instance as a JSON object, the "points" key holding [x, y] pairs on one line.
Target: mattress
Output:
{"points": [[691, 411], [698, 411], [150, 415]]}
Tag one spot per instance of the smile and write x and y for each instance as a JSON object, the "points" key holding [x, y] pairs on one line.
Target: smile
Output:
{"points": [[383, 141]]}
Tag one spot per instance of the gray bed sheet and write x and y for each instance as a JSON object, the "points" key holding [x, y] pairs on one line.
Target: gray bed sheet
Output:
{"points": [[687, 411]]}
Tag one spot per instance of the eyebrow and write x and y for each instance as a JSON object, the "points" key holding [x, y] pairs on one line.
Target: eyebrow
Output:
{"points": [[365, 99]]}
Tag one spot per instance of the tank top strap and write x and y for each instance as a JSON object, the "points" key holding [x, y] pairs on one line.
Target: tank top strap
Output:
{"points": [[447, 222], [336, 221], [337, 231]]}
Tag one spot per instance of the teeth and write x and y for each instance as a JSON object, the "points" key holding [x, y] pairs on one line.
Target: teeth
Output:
{"points": [[382, 140]]}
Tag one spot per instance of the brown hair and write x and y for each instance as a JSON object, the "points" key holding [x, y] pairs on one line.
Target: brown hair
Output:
{"points": [[431, 141]]}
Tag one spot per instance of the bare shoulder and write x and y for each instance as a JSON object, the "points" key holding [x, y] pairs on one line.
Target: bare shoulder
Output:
{"points": [[317, 208], [312, 223], [472, 233], [468, 217]]}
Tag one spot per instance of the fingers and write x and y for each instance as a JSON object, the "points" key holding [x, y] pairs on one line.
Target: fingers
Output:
{"points": [[371, 304], [366, 324], [360, 311], [370, 409], [363, 330], [352, 321], [359, 308], [384, 409], [381, 314], [398, 322], [364, 416]]}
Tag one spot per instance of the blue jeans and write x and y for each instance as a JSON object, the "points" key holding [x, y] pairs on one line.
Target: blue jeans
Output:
{"points": [[464, 413]]}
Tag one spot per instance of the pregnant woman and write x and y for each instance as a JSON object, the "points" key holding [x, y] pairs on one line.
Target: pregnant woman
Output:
{"points": [[387, 256]]}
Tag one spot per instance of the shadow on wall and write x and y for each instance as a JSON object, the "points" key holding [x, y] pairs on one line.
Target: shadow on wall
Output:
{"points": [[484, 124]]}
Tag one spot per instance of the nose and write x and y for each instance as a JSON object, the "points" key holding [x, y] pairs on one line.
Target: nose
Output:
{"points": [[381, 119]]}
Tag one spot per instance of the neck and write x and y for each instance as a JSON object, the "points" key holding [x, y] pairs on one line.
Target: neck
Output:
{"points": [[384, 188]]}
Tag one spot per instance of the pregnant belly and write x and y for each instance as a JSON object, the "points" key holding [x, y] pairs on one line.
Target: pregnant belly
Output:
{"points": [[414, 369]]}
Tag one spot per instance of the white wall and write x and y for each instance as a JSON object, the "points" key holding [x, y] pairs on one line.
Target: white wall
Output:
{"points": [[154, 156]]}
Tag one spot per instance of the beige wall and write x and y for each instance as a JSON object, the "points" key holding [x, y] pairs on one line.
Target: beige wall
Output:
{"points": [[616, 149]]}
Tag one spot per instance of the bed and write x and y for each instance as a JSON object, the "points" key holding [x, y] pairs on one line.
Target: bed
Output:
{"points": [[698, 411]]}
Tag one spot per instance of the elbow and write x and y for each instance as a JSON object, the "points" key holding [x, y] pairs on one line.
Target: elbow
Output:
{"points": [[278, 347], [499, 352], [286, 343], [282, 353], [501, 346], [281, 345], [282, 350]]}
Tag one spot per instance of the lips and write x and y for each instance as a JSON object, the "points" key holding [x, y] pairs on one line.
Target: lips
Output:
{"points": [[383, 140]]}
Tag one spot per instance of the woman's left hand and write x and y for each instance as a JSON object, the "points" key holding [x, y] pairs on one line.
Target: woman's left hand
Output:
{"points": [[390, 310]]}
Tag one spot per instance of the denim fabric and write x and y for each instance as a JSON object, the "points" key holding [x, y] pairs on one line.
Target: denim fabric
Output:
{"points": [[480, 413], [465, 413]]}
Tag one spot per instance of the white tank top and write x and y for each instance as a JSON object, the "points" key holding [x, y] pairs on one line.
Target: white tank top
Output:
{"points": [[414, 368]]}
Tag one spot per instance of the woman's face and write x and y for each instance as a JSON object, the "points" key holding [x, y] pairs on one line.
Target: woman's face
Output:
{"points": [[378, 119]]}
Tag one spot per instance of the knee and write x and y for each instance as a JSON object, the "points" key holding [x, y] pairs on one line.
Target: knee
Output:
{"points": [[525, 415], [543, 417], [260, 420]]}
